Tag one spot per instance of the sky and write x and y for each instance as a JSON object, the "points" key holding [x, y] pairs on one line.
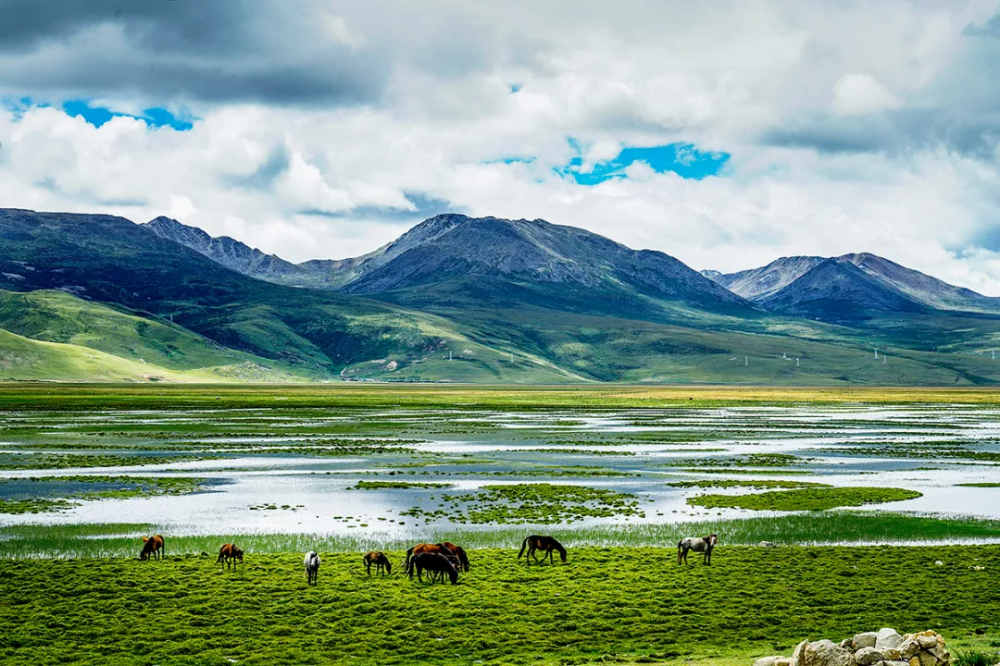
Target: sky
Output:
{"points": [[726, 134]]}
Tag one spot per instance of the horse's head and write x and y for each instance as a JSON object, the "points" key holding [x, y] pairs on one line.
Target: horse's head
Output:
{"points": [[388, 564], [238, 554], [712, 539], [453, 576]]}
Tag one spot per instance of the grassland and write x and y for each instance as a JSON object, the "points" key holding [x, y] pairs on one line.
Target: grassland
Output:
{"points": [[20, 395], [603, 605]]}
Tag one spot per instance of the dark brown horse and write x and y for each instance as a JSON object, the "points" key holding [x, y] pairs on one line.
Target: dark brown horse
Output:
{"points": [[381, 562], [230, 554], [152, 547], [435, 548], [544, 543], [460, 554], [435, 563], [702, 545]]}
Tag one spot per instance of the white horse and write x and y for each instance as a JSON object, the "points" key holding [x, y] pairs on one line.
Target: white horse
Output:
{"points": [[311, 563], [698, 545]]}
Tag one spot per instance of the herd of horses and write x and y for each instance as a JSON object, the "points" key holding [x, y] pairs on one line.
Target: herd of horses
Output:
{"points": [[437, 560]]}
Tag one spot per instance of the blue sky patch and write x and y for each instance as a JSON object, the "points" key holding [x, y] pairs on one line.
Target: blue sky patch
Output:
{"points": [[684, 159], [98, 115]]}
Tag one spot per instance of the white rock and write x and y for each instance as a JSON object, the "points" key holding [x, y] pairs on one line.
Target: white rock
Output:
{"points": [[767, 661], [927, 641], [797, 654], [865, 640], [867, 656], [908, 649], [825, 653], [888, 638]]}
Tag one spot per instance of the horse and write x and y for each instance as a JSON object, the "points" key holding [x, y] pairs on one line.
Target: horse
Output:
{"points": [[434, 563], [698, 545], [381, 562], [460, 554], [230, 554], [152, 547], [546, 543], [437, 548], [311, 563]]}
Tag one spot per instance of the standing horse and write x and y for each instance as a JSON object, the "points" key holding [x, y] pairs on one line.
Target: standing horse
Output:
{"points": [[381, 562], [230, 554], [702, 545], [152, 547], [437, 548], [311, 563], [545, 543], [460, 554], [434, 563]]}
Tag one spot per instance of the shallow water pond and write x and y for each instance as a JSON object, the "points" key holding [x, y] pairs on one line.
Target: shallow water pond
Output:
{"points": [[281, 470]]}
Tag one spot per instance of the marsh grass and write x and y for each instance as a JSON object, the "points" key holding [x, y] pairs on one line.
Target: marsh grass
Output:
{"points": [[833, 527]]}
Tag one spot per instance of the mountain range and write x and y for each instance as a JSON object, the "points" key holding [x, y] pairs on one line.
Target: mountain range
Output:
{"points": [[459, 298]]}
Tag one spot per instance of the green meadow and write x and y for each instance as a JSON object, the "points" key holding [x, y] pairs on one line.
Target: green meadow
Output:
{"points": [[605, 605]]}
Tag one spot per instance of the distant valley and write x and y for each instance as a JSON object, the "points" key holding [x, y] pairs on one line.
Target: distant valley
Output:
{"points": [[465, 299]]}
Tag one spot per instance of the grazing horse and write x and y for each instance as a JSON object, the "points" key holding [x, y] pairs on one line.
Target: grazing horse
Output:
{"points": [[437, 548], [545, 543], [152, 547], [311, 563], [230, 554], [460, 554], [381, 562], [434, 563], [702, 545]]}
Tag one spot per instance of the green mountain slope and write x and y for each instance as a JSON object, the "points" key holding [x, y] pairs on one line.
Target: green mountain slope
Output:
{"points": [[112, 260]]}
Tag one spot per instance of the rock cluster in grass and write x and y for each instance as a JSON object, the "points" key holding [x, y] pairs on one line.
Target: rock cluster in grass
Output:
{"points": [[885, 647]]}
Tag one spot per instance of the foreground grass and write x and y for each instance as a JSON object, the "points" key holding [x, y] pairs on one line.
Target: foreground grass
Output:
{"points": [[602, 605], [122, 540]]}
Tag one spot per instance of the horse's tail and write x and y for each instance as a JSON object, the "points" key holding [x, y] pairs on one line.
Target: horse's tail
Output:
{"points": [[524, 544], [406, 562], [680, 546]]}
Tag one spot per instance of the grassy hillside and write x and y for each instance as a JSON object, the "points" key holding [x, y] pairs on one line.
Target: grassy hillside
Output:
{"points": [[55, 316], [22, 358]]}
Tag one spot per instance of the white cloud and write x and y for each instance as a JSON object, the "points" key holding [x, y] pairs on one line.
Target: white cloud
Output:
{"points": [[860, 94]]}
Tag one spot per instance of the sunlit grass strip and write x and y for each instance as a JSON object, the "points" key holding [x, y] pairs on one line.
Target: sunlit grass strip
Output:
{"points": [[837, 527], [805, 499]]}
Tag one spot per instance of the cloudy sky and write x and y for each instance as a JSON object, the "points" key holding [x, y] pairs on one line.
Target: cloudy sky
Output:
{"points": [[723, 133]]}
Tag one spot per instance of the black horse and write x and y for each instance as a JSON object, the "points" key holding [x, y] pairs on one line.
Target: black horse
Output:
{"points": [[433, 563], [544, 543]]}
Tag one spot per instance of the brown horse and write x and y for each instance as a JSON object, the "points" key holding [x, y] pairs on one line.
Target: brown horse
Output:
{"points": [[381, 562], [435, 548], [152, 547], [230, 554], [435, 563], [702, 545], [545, 543], [460, 554]]}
